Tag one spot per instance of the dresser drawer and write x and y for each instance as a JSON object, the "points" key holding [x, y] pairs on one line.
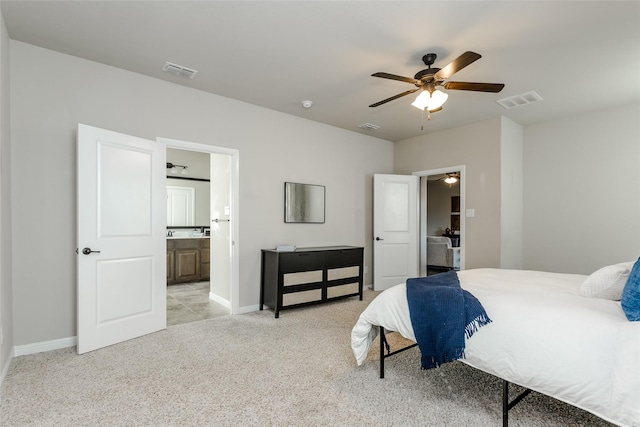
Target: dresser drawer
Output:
{"points": [[292, 262], [343, 257]]}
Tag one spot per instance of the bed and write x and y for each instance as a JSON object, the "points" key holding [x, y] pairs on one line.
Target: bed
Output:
{"points": [[544, 336]]}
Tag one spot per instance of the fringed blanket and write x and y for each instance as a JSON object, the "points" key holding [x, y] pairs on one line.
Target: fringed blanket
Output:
{"points": [[443, 315]]}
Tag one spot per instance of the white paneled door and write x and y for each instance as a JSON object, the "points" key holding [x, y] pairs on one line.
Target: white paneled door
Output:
{"points": [[395, 229], [121, 237]]}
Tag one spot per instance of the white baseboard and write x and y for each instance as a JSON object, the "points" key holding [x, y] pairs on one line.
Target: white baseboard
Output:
{"points": [[5, 368], [224, 302], [227, 304], [248, 309], [39, 347]]}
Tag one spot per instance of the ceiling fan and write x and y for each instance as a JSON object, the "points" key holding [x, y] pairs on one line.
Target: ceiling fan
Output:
{"points": [[430, 98], [450, 178]]}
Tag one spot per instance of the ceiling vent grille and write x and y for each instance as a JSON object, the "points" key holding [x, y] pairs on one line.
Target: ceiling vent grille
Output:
{"points": [[369, 126], [519, 100], [179, 70]]}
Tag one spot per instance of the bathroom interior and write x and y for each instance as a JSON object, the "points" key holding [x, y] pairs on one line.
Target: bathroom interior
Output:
{"points": [[189, 236]]}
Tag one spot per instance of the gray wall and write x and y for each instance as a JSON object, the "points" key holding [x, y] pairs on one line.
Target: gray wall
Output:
{"points": [[582, 191], [198, 164], [511, 187], [220, 231], [6, 299], [53, 92], [477, 146], [560, 196]]}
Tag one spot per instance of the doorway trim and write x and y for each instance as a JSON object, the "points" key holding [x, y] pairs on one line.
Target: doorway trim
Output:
{"points": [[423, 213], [234, 208]]}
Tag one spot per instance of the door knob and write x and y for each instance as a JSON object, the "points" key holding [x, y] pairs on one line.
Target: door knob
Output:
{"points": [[377, 238], [88, 251]]}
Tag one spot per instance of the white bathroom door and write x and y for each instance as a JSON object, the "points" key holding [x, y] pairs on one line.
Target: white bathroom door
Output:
{"points": [[395, 229], [121, 215]]}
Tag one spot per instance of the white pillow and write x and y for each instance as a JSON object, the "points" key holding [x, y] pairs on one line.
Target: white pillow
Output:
{"points": [[607, 282]]}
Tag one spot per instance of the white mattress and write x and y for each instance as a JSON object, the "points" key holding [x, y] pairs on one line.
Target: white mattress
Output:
{"points": [[544, 336]]}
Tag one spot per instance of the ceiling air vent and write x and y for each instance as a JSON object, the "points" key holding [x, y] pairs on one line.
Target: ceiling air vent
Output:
{"points": [[519, 100], [179, 70], [369, 126]]}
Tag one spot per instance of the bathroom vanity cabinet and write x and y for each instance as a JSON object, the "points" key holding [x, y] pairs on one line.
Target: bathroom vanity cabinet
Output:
{"points": [[188, 260]]}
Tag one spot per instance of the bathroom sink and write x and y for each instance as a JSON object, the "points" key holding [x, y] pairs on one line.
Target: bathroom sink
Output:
{"points": [[188, 234]]}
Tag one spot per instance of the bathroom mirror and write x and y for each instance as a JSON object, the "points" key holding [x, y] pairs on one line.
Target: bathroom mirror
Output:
{"points": [[188, 202], [304, 203]]}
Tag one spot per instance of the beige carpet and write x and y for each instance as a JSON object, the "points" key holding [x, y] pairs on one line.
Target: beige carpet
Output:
{"points": [[254, 370]]}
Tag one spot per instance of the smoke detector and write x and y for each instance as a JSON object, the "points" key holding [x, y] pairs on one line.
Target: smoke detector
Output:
{"points": [[179, 70], [307, 104], [369, 126]]}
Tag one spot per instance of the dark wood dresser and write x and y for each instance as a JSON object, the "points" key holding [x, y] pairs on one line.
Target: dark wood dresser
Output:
{"points": [[310, 276]]}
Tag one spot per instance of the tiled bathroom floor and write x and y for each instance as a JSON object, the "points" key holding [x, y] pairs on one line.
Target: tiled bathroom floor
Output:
{"points": [[189, 302]]}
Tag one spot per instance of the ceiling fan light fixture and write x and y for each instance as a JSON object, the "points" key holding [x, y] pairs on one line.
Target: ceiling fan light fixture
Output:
{"points": [[450, 179], [430, 100]]}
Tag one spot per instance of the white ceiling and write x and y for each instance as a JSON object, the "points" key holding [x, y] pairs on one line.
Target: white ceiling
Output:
{"points": [[579, 56]]}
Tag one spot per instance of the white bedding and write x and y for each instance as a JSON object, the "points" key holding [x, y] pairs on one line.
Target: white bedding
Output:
{"points": [[544, 336]]}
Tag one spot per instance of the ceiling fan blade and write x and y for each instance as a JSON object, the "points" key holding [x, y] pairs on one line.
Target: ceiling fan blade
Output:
{"points": [[457, 64], [393, 97], [395, 77], [477, 87]]}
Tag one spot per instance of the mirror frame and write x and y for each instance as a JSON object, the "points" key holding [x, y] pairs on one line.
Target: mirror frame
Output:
{"points": [[301, 214]]}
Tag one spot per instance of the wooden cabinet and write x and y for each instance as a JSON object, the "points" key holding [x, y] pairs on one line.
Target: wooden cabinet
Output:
{"points": [[187, 267], [187, 260], [205, 261], [171, 274], [310, 276]]}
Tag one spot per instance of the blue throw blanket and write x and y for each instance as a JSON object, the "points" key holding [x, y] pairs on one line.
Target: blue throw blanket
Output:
{"points": [[442, 315]]}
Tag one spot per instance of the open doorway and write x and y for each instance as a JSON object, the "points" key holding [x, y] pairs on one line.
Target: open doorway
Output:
{"points": [[442, 239], [189, 195], [202, 270]]}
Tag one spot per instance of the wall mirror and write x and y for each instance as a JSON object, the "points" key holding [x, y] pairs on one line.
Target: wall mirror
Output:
{"points": [[187, 202], [180, 206], [304, 203]]}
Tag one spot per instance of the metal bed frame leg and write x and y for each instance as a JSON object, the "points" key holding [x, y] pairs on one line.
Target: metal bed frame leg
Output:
{"points": [[383, 341], [381, 330], [506, 405], [384, 344]]}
